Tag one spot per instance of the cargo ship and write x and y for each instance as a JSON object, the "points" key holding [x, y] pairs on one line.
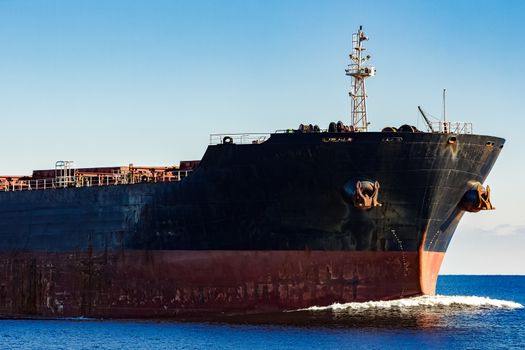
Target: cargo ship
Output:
{"points": [[262, 223]]}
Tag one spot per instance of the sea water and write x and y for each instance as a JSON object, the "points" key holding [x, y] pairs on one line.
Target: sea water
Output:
{"points": [[469, 312]]}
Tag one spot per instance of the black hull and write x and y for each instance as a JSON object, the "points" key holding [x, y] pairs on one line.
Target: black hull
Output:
{"points": [[284, 194]]}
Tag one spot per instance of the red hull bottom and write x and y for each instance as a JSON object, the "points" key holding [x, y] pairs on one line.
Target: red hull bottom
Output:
{"points": [[143, 284]]}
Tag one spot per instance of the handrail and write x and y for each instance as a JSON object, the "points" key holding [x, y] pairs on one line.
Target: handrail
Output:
{"points": [[88, 180], [243, 138], [452, 127]]}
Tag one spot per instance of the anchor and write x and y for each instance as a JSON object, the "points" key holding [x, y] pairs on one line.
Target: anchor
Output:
{"points": [[476, 199], [363, 193]]}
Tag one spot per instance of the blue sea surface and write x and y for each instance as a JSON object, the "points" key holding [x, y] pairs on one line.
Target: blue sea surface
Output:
{"points": [[469, 312]]}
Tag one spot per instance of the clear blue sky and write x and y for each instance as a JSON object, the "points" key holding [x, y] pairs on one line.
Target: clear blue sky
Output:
{"points": [[114, 82]]}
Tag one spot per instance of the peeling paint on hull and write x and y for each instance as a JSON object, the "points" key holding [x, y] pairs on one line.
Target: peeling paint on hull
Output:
{"points": [[170, 283]]}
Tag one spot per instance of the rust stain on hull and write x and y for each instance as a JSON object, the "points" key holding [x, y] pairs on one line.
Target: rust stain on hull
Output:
{"points": [[147, 284]]}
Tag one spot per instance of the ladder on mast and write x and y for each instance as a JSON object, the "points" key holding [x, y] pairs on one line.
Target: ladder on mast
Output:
{"points": [[359, 71]]}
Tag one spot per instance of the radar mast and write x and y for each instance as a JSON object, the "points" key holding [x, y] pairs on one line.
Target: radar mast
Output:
{"points": [[359, 72]]}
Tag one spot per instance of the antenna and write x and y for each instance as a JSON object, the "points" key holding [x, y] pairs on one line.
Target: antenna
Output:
{"points": [[444, 109], [359, 72]]}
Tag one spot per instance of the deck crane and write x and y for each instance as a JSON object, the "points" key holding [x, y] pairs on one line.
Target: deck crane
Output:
{"points": [[429, 123]]}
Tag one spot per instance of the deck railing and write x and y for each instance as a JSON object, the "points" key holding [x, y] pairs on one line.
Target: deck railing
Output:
{"points": [[242, 139], [452, 127], [88, 180]]}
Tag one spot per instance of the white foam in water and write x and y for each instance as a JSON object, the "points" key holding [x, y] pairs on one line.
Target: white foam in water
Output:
{"points": [[79, 318], [426, 301]]}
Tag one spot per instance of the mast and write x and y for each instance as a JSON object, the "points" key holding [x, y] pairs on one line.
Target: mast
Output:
{"points": [[359, 72]]}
